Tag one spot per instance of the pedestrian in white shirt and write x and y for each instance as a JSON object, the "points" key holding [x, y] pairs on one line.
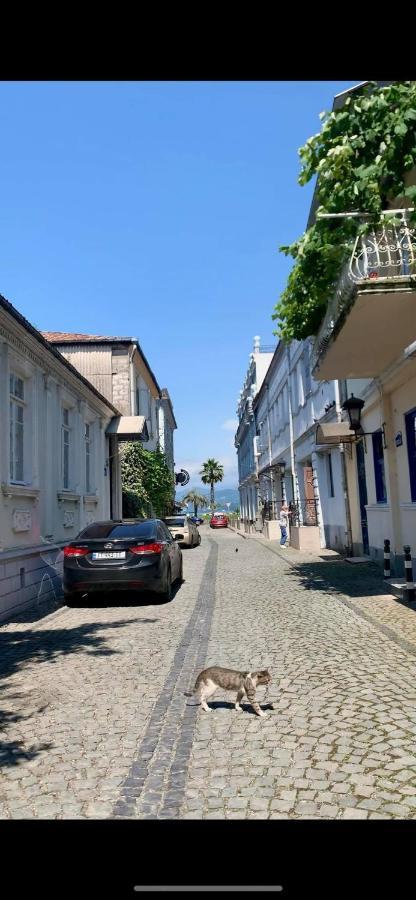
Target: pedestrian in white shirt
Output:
{"points": [[283, 522]]}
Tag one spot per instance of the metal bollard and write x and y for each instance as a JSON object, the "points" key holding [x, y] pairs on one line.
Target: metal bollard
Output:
{"points": [[387, 567], [410, 588]]}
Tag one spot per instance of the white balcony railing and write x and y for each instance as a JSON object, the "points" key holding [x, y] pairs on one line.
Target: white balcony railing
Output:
{"points": [[384, 259]]}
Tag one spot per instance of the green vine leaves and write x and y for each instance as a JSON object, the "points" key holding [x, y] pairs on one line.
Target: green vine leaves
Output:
{"points": [[146, 475], [362, 158]]}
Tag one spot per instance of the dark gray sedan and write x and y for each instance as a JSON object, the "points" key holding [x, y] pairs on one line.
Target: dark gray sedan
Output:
{"points": [[122, 555]]}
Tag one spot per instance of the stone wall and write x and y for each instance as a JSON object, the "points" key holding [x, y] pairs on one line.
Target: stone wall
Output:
{"points": [[28, 578], [121, 381]]}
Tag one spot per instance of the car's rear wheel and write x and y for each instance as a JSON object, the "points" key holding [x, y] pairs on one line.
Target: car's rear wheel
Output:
{"points": [[199, 539], [166, 594]]}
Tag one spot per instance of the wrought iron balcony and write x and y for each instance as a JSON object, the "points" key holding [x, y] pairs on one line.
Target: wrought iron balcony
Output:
{"points": [[371, 316]]}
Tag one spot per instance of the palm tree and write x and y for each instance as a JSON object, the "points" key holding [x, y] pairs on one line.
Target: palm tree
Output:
{"points": [[196, 499], [212, 472]]}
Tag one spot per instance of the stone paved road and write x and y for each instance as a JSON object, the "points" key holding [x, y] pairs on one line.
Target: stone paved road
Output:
{"points": [[95, 723]]}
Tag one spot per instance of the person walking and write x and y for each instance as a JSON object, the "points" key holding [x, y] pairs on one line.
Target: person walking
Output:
{"points": [[283, 522]]}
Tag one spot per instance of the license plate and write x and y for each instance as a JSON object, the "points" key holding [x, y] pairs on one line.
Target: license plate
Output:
{"points": [[119, 555]]}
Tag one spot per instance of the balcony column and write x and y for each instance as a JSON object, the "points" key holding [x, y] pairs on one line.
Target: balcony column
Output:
{"points": [[391, 475]]}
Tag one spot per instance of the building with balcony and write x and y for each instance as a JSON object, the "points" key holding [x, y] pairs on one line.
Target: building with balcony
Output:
{"points": [[246, 435], [291, 466], [367, 340]]}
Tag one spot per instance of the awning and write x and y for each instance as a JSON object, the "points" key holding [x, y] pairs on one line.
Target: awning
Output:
{"points": [[334, 433], [128, 428]]}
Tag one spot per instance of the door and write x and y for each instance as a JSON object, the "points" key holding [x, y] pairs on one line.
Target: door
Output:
{"points": [[310, 503], [362, 492], [410, 420]]}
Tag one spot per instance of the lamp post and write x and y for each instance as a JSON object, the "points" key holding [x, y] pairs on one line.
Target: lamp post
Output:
{"points": [[353, 406], [280, 471]]}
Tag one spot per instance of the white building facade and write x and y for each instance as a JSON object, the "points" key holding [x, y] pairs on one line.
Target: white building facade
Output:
{"points": [[288, 408], [245, 438], [59, 467], [167, 425]]}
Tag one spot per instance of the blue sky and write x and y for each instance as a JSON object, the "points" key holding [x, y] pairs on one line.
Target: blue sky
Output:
{"points": [[155, 209]]}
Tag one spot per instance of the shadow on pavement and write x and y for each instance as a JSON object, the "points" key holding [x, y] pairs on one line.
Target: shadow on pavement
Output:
{"points": [[13, 752], [127, 599], [20, 648], [246, 707], [340, 578]]}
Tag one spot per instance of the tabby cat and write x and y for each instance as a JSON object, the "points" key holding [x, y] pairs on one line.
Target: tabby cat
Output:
{"points": [[230, 680]]}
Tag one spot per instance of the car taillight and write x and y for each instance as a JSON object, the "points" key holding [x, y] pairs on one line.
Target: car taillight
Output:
{"points": [[146, 549], [76, 551]]}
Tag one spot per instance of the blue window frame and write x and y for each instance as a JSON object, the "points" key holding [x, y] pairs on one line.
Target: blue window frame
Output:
{"points": [[410, 420], [378, 453]]}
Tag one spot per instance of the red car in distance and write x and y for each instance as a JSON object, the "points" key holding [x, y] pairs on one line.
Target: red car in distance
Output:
{"points": [[218, 520]]}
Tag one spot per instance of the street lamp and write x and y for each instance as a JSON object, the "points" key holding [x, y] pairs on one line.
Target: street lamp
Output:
{"points": [[280, 468], [353, 406]]}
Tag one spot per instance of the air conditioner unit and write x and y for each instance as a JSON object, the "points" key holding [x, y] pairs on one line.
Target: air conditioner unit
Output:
{"points": [[256, 446]]}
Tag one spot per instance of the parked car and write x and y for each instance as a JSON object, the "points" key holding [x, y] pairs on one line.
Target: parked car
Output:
{"points": [[196, 520], [122, 555], [183, 530], [219, 520]]}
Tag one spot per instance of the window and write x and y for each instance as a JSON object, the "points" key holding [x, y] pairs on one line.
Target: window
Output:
{"points": [[301, 395], [112, 530], [165, 534], [410, 420], [295, 400], [378, 453], [306, 372], [88, 458], [330, 476], [17, 411], [66, 444]]}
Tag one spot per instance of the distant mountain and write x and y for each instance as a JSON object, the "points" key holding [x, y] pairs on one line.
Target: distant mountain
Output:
{"points": [[222, 495]]}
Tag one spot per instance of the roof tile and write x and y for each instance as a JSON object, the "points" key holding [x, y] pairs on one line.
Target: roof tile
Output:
{"points": [[66, 337]]}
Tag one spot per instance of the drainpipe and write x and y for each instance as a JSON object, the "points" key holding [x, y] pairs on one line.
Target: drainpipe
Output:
{"points": [[269, 438], [344, 475], [295, 490]]}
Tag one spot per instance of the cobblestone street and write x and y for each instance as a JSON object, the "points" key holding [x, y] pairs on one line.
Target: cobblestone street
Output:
{"points": [[95, 723]]}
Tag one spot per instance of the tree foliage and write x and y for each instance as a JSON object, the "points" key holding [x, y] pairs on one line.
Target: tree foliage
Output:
{"points": [[362, 157], [211, 473], [147, 482], [197, 500]]}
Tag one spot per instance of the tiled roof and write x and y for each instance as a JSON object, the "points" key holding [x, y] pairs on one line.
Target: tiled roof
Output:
{"points": [[43, 341], [65, 337]]}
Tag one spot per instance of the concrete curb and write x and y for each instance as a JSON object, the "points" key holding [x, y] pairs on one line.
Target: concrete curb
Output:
{"points": [[237, 531]]}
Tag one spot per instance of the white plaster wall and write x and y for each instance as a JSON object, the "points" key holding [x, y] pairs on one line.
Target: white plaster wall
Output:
{"points": [[38, 516]]}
